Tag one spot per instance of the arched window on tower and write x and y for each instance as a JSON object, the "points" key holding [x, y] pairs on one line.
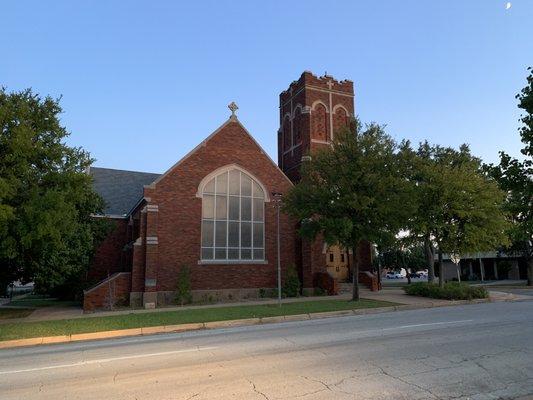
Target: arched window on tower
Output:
{"points": [[340, 118], [297, 126], [319, 118], [287, 133], [233, 214]]}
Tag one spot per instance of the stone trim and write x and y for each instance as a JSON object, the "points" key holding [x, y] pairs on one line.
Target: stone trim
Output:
{"points": [[232, 262], [151, 240]]}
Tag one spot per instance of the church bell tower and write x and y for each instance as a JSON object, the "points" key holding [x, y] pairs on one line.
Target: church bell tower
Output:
{"points": [[311, 110]]}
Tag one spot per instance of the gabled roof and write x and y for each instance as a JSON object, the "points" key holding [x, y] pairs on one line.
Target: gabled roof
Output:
{"points": [[121, 190], [231, 119]]}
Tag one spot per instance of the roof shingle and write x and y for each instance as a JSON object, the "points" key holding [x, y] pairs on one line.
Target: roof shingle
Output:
{"points": [[121, 190]]}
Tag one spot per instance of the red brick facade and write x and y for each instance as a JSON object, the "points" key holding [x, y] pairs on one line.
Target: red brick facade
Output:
{"points": [[163, 233], [312, 110], [111, 292], [112, 255]]}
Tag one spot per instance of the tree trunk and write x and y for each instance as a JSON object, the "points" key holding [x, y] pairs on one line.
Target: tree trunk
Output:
{"points": [[355, 274], [430, 259], [406, 268], [441, 270], [530, 271]]}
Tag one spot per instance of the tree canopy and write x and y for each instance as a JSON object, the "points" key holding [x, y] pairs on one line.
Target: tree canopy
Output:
{"points": [[515, 177], [351, 191], [458, 208], [47, 234]]}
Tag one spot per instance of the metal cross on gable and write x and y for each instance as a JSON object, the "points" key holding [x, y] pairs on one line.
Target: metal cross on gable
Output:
{"points": [[233, 107]]}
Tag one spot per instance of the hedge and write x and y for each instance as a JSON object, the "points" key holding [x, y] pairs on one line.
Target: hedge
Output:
{"points": [[450, 291]]}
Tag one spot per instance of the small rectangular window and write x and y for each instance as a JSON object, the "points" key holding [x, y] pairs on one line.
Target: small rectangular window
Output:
{"points": [[207, 253], [221, 207], [246, 254], [220, 254], [233, 234], [207, 233], [233, 208], [246, 185], [208, 207], [246, 234], [220, 233], [234, 182], [222, 183], [342, 257], [246, 209], [331, 257], [259, 254], [258, 235], [258, 209]]}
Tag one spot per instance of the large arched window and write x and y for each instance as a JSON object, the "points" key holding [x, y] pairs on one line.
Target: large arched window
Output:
{"points": [[233, 214]]}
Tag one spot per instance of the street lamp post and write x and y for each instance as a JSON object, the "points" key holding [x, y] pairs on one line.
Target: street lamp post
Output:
{"points": [[277, 203]]}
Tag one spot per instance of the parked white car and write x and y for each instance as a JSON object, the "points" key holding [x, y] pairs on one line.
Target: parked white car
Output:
{"points": [[394, 275]]}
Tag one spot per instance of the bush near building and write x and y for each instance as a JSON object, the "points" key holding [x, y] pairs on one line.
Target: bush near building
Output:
{"points": [[450, 291]]}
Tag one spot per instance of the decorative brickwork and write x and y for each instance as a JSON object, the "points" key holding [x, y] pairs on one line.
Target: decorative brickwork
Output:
{"points": [[316, 108]]}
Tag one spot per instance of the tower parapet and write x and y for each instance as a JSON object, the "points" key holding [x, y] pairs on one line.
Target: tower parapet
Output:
{"points": [[312, 109]]}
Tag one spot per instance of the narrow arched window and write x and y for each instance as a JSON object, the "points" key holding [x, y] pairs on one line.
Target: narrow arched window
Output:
{"points": [[233, 214]]}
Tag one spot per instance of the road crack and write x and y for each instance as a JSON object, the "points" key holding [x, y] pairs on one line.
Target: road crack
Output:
{"points": [[256, 390]]}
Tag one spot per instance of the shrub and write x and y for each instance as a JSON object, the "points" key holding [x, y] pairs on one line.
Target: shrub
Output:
{"points": [[183, 292], [291, 286], [450, 291]]}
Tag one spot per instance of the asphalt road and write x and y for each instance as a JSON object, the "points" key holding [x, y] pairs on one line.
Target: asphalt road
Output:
{"points": [[477, 352]]}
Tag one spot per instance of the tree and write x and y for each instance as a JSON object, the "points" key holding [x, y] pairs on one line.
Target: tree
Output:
{"points": [[515, 179], [183, 290], [459, 209], [402, 255], [351, 191], [47, 234]]}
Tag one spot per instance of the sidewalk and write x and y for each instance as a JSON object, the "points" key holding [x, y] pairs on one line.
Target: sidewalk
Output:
{"points": [[393, 295]]}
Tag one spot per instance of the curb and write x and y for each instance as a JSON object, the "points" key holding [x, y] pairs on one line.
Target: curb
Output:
{"points": [[151, 330]]}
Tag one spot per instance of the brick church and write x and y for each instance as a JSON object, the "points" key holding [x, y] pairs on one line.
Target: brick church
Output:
{"points": [[213, 211]]}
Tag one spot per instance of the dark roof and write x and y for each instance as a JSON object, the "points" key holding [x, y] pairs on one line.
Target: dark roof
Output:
{"points": [[121, 190]]}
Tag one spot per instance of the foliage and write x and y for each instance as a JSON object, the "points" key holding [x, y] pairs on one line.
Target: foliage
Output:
{"points": [[458, 208], [183, 290], [403, 257], [47, 234], [516, 179], [291, 286], [351, 191], [450, 291]]}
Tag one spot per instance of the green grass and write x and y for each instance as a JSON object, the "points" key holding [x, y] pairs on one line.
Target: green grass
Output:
{"points": [[94, 324], [37, 301], [7, 313]]}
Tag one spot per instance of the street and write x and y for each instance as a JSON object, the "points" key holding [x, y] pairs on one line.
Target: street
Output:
{"points": [[477, 352]]}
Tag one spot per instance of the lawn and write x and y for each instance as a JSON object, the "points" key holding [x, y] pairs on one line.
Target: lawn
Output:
{"points": [[37, 300], [94, 324], [7, 313]]}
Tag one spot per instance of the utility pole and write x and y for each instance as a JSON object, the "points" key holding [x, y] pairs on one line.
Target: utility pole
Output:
{"points": [[277, 203]]}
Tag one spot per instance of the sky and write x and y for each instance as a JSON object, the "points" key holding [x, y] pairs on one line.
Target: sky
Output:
{"points": [[143, 82]]}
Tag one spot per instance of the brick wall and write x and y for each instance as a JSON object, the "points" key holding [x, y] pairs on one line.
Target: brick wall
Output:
{"points": [[179, 216], [109, 256], [111, 292]]}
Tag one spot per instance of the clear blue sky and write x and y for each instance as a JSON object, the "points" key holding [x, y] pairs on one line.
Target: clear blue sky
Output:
{"points": [[143, 82]]}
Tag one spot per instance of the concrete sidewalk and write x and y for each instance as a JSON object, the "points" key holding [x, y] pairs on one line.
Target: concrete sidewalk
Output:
{"points": [[395, 295]]}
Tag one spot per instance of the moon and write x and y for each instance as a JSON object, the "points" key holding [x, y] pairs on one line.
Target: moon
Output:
{"points": [[508, 5]]}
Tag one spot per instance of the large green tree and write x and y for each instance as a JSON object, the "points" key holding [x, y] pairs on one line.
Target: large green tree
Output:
{"points": [[459, 209], [47, 234], [516, 179], [351, 191]]}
